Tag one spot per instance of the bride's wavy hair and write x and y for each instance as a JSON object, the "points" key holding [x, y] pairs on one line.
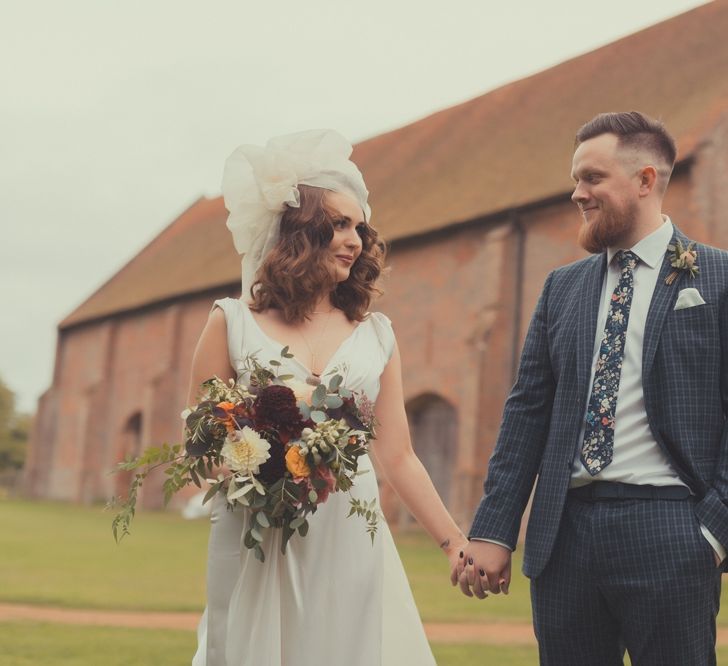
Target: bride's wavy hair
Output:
{"points": [[299, 269]]}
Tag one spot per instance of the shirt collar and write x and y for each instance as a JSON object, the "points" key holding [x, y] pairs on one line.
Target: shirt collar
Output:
{"points": [[652, 248]]}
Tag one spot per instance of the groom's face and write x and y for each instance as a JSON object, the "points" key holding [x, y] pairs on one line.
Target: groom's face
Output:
{"points": [[606, 192]]}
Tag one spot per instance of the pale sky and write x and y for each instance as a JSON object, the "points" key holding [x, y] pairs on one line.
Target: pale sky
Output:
{"points": [[116, 116]]}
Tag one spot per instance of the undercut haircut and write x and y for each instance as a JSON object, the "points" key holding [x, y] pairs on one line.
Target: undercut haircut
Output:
{"points": [[637, 131]]}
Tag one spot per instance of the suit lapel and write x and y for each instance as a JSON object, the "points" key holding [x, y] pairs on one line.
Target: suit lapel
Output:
{"points": [[663, 301], [587, 320]]}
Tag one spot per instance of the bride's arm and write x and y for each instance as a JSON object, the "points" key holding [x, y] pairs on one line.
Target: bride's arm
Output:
{"points": [[210, 357], [396, 458]]}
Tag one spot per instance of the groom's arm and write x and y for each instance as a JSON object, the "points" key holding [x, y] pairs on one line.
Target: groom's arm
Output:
{"points": [[522, 436]]}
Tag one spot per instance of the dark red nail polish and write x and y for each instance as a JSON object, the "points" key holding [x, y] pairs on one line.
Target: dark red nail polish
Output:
{"points": [[470, 560], [482, 573], [461, 554]]}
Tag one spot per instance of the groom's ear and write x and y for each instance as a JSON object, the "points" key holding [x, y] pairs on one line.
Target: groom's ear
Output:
{"points": [[648, 180]]}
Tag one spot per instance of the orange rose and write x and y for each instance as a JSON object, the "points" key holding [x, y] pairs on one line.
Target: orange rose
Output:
{"points": [[296, 463], [228, 421]]}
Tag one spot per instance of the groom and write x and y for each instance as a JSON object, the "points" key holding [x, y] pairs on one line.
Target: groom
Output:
{"points": [[618, 415]]}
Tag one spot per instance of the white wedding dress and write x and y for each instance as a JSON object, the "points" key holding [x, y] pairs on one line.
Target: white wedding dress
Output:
{"points": [[334, 599]]}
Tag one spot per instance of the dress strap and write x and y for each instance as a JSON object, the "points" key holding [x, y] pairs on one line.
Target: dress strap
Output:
{"points": [[233, 310], [385, 334]]}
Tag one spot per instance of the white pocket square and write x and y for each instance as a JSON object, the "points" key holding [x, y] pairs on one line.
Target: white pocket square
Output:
{"points": [[688, 298]]}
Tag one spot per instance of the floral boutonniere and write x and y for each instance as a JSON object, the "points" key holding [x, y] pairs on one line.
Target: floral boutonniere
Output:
{"points": [[682, 259]]}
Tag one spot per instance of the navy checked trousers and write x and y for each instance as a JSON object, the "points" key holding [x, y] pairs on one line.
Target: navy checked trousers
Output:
{"points": [[634, 574]]}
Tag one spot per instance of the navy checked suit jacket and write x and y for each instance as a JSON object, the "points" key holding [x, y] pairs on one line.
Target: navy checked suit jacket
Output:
{"points": [[685, 384]]}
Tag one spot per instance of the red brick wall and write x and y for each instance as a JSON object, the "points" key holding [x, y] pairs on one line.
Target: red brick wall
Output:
{"points": [[455, 304]]}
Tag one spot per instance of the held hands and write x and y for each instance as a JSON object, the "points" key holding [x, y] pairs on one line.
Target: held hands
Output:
{"points": [[484, 567]]}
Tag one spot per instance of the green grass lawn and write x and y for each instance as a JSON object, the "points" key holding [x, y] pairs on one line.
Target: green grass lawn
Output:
{"points": [[64, 555], [32, 644]]}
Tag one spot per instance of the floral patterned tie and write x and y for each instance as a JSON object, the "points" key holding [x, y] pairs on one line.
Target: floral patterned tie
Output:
{"points": [[598, 446]]}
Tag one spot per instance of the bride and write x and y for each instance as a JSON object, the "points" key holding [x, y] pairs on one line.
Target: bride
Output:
{"points": [[299, 215]]}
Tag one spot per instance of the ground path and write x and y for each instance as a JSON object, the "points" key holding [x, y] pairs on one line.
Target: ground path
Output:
{"points": [[501, 633], [493, 633]]}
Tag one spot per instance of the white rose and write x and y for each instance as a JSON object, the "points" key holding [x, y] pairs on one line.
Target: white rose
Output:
{"points": [[301, 390], [245, 450]]}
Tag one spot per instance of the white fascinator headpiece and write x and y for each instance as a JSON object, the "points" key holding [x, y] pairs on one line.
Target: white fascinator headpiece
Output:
{"points": [[260, 181]]}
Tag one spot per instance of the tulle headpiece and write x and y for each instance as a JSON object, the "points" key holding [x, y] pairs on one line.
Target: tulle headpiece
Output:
{"points": [[259, 182]]}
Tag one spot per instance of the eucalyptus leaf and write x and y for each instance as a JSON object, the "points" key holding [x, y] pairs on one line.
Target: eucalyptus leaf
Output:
{"points": [[211, 493], [335, 382], [312, 496], [297, 522], [241, 491], [318, 396], [303, 529], [262, 519], [256, 534], [333, 401], [248, 540], [317, 416]]}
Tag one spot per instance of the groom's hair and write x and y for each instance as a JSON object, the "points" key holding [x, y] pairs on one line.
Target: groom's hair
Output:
{"points": [[637, 131]]}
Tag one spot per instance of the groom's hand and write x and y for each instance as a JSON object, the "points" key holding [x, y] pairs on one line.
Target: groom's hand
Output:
{"points": [[484, 567]]}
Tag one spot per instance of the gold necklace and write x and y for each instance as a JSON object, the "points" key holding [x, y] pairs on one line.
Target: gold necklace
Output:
{"points": [[314, 378]]}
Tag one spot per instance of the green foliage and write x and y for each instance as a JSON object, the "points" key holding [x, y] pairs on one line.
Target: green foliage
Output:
{"points": [[179, 473], [367, 510], [14, 431]]}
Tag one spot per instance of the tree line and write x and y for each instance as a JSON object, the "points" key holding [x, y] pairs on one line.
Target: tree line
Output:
{"points": [[14, 431]]}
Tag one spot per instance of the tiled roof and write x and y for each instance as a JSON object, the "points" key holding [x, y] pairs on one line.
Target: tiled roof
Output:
{"points": [[505, 149], [192, 254]]}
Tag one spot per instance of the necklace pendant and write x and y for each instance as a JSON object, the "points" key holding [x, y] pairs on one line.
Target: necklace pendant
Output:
{"points": [[313, 380]]}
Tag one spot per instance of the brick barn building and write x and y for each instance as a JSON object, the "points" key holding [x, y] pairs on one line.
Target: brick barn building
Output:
{"points": [[475, 203]]}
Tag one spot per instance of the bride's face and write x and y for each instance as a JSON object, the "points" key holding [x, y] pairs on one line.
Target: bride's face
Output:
{"points": [[346, 245]]}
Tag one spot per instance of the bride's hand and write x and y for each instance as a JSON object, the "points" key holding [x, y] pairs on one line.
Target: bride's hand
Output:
{"points": [[453, 548]]}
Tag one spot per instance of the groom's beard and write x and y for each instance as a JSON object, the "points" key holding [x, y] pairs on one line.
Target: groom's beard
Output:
{"points": [[608, 229]]}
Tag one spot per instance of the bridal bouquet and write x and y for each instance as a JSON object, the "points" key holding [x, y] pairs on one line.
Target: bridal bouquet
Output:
{"points": [[285, 445]]}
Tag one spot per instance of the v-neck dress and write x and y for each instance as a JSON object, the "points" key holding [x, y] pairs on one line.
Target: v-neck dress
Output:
{"points": [[333, 598]]}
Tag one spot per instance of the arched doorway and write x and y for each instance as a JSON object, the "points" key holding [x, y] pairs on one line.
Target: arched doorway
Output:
{"points": [[130, 444], [434, 430]]}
